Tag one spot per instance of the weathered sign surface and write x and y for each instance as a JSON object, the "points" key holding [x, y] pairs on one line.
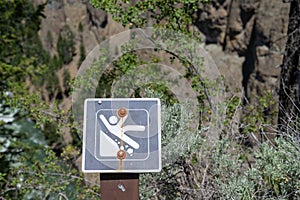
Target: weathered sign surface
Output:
{"points": [[122, 135]]}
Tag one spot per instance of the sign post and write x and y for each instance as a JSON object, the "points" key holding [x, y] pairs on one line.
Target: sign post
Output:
{"points": [[119, 186], [121, 138]]}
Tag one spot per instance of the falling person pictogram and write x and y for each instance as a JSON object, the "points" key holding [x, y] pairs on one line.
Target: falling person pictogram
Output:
{"points": [[116, 127]]}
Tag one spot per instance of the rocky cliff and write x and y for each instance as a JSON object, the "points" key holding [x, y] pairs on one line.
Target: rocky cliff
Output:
{"points": [[246, 38]]}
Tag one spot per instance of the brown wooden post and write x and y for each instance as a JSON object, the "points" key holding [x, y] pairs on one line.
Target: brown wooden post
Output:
{"points": [[119, 186]]}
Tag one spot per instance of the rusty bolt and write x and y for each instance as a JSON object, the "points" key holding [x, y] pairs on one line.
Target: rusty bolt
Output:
{"points": [[122, 112], [121, 154]]}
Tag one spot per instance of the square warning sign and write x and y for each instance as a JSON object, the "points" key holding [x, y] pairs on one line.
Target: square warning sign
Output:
{"points": [[122, 135]]}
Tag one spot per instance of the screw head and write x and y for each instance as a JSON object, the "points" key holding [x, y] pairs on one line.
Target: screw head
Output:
{"points": [[121, 154], [122, 112]]}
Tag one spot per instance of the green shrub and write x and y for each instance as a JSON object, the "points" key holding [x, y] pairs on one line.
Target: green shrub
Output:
{"points": [[66, 45]]}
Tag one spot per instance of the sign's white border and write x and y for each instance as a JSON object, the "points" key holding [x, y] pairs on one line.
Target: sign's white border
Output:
{"points": [[117, 170]]}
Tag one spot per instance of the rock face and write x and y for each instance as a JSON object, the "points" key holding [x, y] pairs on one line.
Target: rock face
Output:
{"points": [[95, 25], [245, 37], [250, 30]]}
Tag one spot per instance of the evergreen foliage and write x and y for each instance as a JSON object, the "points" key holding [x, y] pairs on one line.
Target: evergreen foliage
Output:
{"points": [[66, 45]]}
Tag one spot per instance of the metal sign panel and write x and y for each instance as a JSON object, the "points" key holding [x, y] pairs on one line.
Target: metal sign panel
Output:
{"points": [[122, 135]]}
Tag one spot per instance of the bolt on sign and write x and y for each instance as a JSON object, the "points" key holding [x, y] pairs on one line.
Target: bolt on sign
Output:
{"points": [[122, 135]]}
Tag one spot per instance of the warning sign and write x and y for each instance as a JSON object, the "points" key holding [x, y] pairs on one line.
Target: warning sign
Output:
{"points": [[122, 135]]}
